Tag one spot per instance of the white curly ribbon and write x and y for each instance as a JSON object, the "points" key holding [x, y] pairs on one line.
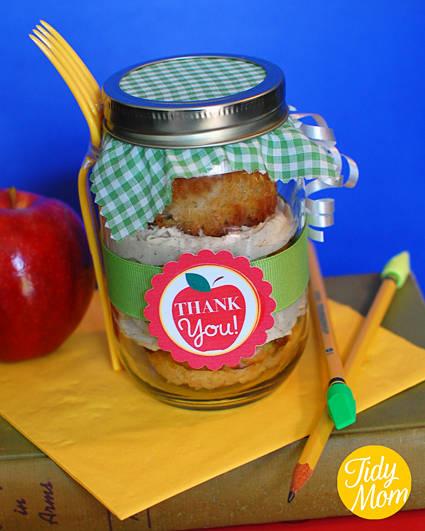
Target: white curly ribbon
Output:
{"points": [[319, 212]]}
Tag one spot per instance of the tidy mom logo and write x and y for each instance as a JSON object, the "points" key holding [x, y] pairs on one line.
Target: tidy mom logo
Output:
{"points": [[374, 482], [210, 309]]}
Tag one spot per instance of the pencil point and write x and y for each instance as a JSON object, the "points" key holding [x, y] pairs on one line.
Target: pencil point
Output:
{"points": [[302, 473]]}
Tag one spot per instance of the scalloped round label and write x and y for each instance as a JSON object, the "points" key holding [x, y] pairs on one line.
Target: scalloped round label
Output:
{"points": [[210, 309]]}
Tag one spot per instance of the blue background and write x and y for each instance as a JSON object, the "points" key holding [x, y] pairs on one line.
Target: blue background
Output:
{"points": [[360, 64]]}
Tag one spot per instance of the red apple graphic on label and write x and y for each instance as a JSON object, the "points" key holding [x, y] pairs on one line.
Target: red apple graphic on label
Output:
{"points": [[209, 318]]}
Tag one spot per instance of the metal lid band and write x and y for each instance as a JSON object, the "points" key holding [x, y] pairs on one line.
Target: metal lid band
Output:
{"points": [[185, 124]]}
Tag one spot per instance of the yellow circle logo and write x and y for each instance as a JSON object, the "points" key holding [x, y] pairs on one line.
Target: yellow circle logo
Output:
{"points": [[374, 482]]}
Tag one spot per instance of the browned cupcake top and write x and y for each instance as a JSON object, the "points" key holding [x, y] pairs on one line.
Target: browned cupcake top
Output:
{"points": [[219, 204]]}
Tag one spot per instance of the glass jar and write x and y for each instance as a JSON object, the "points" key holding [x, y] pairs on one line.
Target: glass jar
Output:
{"points": [[200, 155]]}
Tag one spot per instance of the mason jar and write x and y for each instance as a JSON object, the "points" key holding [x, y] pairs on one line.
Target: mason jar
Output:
{"points": [[200, 186]]}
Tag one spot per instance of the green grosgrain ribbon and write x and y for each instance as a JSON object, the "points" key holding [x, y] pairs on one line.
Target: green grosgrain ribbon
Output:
{"points": [[127, 281]]}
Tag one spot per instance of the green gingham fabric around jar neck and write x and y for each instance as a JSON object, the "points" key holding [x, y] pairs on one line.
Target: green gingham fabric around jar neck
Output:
{"points": [[133, 183]]}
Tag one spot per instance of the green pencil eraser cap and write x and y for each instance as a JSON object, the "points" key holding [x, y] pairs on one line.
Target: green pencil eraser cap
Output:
{"points": [[398, 267], [341, 405]]}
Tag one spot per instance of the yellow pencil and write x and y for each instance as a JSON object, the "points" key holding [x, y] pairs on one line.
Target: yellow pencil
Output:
{"points": [[393, 277], [340, 401]]}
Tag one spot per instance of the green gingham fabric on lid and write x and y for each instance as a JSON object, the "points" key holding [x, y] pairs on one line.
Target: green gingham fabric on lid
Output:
{"points": [[210, 78], [133, 183]]}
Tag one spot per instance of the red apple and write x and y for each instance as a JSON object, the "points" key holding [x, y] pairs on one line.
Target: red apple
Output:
{"points": [[208, 318], [46, 274]]}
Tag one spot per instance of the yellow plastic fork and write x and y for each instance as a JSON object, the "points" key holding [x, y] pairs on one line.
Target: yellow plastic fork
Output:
{"points": [[87, 93], [77, 77]]}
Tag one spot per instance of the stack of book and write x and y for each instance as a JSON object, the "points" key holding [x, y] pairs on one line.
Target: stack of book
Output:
{"points": [[35, 493]]}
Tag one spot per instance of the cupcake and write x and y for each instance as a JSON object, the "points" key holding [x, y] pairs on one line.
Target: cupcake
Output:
{"points": [[239, 212]]}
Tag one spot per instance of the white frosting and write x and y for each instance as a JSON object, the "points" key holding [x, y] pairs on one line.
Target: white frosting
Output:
{"points": [[283, 322], [157, 246]]}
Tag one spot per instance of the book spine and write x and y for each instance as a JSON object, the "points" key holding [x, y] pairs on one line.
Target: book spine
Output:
{"points": [[36, 494]]}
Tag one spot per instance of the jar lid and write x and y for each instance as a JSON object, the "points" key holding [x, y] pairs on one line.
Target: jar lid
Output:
{"points": [[197, 100]]}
